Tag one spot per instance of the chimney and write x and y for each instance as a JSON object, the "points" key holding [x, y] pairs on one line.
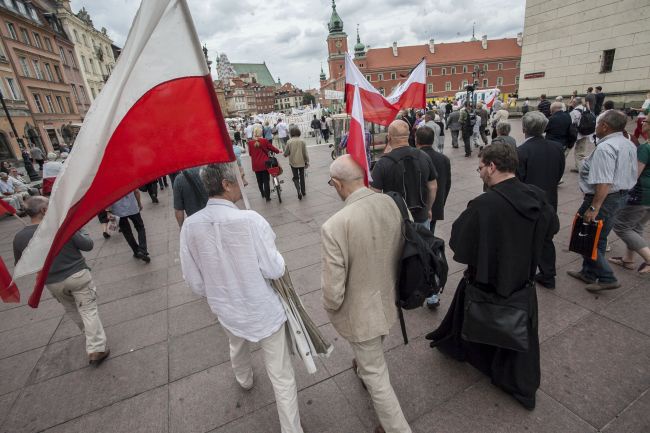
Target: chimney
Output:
{"points": [[432, 47], [395, 49], [484, 42], [520, 39]]}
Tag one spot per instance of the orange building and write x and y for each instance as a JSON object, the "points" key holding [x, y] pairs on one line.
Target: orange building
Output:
{"points": [[450, 66]]}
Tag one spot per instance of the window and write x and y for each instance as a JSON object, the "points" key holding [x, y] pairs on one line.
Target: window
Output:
{"points": [[37, 101], [25, 36], [429, 72], [486, 67], [33, 14], [62, 54], [76, 36], [448, 86], [3, 56], [74, 92], [516, 81], [464, 69], [92, 65], [37, 69], [85, 40], [92, 90], [499, 81], [393, 76], [13, 89], [500, 66], [59, 103], [50, 104], [70, 109], [21, 8], [464, 84], [37, 40], [380, 77], [12, 31], [453, 70], [24, 66], [368, 77], [48, 72], [485, 82], [429, 88], [48, 44], [443, 71], [607, 61], [83, 62], [72, 60], [57, 71]]}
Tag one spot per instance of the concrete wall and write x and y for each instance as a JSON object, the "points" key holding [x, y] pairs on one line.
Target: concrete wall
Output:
{"points": [[565, 39]]}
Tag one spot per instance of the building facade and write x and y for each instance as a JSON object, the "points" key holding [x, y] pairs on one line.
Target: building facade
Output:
{"points": [[31, 38], [450, 66], [570, 46]]}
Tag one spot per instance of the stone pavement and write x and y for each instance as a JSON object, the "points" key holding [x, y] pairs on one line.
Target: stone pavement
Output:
{"points": [[169, 369]]}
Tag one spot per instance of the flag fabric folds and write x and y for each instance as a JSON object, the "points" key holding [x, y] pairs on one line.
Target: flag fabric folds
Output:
{"points": [[377, 108], [302, 332], [158, 113], [6, 208], [356, 145], [8, 290]]}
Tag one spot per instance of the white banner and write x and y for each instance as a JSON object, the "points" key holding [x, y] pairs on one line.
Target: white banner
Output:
{"points": [[334, 94]]}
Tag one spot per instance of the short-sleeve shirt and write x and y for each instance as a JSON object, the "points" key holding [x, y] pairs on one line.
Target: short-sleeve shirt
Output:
{"points": [[643, 155], [126, 206], [614, 162], [383, 176], [185, 193]]}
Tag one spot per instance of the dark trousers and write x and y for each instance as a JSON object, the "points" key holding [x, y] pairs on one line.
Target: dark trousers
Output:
{"points": [[432, 226], [547, 261], [326, 134], [467, 140], [263, 179], [152, 189], [162, 182], [299, 179], [172, 176], [141, 245], [484, 135]]}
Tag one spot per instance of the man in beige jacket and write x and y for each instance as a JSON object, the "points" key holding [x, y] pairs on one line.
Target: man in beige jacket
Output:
{"points": [[361, 246]]}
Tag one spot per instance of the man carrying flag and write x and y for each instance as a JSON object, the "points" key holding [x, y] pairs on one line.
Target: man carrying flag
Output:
{"points": [[125, 139]]}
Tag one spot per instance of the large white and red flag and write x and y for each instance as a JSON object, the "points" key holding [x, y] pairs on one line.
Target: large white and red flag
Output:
{"points": [[158, 113], [356, 145], [377, 108]]}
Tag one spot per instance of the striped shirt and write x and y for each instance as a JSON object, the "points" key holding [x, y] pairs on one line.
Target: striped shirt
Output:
{"points": [[613, 162]]}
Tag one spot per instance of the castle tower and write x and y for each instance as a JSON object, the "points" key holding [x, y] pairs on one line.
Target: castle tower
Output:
{"points": [[337, 45]]}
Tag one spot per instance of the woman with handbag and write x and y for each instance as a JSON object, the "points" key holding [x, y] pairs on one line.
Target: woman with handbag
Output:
{"points": [[492, 320], [259, 148], [632, 218]]}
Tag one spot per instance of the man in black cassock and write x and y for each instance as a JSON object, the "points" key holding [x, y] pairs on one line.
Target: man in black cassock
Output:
{"points": [[499, 236]]}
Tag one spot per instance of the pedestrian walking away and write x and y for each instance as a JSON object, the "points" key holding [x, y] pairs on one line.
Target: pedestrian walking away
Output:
{"points": [[128, 208], [296, 150], [259, 149]]}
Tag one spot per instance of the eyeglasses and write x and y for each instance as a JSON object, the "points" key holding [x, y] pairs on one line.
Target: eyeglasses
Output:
{"points": [[330, 182], [480, 167]]}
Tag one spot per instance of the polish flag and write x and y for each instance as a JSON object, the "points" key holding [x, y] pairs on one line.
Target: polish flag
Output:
{"points": [[158, 113], [356, 136], [377, 108]]}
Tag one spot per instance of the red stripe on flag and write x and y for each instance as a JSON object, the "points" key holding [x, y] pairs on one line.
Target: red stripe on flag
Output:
{"points": [[413, 97], [176, 125], [376, 108], [6, 208], [8, 290]]}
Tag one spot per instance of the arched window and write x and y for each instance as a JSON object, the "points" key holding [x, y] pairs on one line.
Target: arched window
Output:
{"points": [[5, 147]]}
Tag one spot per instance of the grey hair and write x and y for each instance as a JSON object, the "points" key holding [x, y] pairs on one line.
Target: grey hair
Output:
{"points": [[534, 123], [213, 176], [556, 106], [578, 100], [615, 119], [34, 205], [503, 128]]}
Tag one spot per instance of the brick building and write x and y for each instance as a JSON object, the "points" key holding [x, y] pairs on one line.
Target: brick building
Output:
{"points": [[450, 66]]}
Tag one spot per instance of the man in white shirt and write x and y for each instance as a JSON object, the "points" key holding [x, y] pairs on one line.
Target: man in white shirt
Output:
{"points": [[583, 146], [249, 131], [229, 255], [283, 133], [9, 193]]}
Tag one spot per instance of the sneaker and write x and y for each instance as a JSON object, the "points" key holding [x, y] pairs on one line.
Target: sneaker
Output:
{"points": [[580, 276], [433, 302], [598, 287]]}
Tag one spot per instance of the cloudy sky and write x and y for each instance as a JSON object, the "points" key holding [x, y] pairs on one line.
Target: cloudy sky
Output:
{"points": [[290, 37]]}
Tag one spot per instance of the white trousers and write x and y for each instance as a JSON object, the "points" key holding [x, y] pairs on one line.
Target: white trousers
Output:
{"points": [[278, 366], [373, 372], [78, 295]]}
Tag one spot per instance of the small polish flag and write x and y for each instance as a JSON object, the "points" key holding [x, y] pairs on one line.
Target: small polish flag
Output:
{"points": [[157, 114], [412, 92], [356, 136]]}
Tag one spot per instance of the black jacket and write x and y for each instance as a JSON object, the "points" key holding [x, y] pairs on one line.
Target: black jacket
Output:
{"points": [[443, 167], [558, 127], [541, 163], [545, 107]]}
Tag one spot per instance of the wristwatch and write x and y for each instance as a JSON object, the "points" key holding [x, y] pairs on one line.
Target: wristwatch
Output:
{"points": [[591, 208]]}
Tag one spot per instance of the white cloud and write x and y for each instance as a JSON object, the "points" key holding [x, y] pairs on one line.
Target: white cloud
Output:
{"points": [[291, 37]]}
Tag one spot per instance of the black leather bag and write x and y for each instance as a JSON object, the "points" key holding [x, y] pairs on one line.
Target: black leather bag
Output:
{"points": [[496, 320]]}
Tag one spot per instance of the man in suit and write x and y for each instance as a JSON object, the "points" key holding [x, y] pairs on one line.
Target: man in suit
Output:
{"points": [[558, 126], [541, 163], [361, 247]]}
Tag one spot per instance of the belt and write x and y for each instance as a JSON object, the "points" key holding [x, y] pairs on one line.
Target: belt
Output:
{"points": [[620, 192]]}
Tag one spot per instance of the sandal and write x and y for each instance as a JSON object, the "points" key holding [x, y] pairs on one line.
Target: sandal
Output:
{"points": [[622, 263], [644, 268]]}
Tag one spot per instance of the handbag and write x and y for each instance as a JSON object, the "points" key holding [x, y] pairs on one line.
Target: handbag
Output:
{"points": [[635, 195], [585, 237], [496, 320]]}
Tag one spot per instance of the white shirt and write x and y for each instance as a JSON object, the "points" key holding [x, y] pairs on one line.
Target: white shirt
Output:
{"points": [[52, 168], [249, 131], [576, 114], [282, 130], [228, 255], [7, 186]]}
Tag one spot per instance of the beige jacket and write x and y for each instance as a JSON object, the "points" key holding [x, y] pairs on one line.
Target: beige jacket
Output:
{"points": [[361, 246], [296, 150]]}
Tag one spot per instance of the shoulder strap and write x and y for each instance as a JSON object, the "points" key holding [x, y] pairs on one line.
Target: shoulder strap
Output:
{"points": [[401, 204], [192, 183]]}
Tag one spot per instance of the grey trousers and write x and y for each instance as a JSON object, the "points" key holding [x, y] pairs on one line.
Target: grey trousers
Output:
{"points": [[454, 139], [629, 224]]}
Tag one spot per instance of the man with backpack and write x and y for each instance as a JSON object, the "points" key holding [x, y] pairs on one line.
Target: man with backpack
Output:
{"points": [[408, 172], [361, 247], [585, 122], [315, 126], [467, 122]]}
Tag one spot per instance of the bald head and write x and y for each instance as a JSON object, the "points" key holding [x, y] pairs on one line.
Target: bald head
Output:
{"points": [[556, 106], [398, 133], [345, 169]]}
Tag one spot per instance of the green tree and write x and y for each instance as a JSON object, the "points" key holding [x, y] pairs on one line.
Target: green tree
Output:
{"points": [[308, 99]]}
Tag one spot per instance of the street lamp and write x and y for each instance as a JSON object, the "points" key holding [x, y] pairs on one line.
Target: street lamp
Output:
{"points": [[470, 88]]}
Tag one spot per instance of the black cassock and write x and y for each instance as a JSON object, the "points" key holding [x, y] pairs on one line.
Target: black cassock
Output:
{"points": [[499, 236]]}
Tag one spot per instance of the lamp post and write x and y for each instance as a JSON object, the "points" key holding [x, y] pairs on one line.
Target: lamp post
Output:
{"points": [[470, 88]]}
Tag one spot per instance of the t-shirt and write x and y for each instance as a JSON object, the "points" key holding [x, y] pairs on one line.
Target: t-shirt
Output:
{"points": [[126, 206], [590, 99], [643, 155], [384, 178], [37, 153], [185, 194]]}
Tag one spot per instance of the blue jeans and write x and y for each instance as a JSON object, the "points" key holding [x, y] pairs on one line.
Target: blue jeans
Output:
{"points": [[599, 269]]}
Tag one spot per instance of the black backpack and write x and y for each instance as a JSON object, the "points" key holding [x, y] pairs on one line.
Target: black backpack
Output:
{"points": [[587, 122], [423, 266], [407, 179]]}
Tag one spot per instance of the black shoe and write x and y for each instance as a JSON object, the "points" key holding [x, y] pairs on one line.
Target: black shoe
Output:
{"points": [[138, 255], [467, 155], [548, 283], [145, 258], [433, 306], [155, 200], [106, 235], [268, 198], [299, 196], [455, 147]]}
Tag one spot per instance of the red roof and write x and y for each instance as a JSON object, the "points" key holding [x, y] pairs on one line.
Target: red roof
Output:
{"points": [[445, 54]]}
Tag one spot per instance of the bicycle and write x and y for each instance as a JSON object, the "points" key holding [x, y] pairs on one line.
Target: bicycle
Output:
{"points": [[275, 170]]}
